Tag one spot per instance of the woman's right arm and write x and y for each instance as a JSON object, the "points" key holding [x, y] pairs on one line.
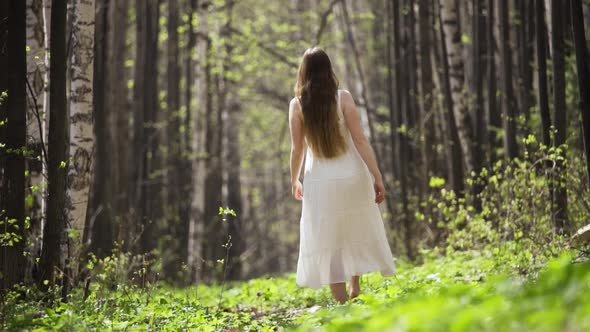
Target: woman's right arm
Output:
{"points": [[353, 122]]}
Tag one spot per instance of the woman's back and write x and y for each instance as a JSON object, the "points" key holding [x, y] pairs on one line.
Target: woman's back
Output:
{"points": [[348, 164]]}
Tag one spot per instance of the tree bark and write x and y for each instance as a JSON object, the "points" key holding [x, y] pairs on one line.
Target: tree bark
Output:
{"points": [[493, 114], [137, 160], [202, 84], [12, 212], [187, 187], [234, 188], [4, 83], [454, 151], [100, 214], [452, 32], [508, 105], [559, 111], [391, 91], [541, 35], [583, 73], [526, 35], [176, 225], [35, 117], [119, 117], [214, 233], [53, 233], [143, 162], [477, 89], [427, 90], [586, 9], [81, 148]]}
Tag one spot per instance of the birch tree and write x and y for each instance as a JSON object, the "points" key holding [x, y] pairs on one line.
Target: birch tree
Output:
{"points": [[452, 33], [81, 118]]}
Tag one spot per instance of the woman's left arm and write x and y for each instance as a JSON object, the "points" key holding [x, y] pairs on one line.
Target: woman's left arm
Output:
{"points": [[297, 147]]}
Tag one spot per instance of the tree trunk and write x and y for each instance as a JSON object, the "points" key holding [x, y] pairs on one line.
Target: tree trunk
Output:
{"points": [[462, 117], [454, 151], [583, 73], [493, 114], [391, 93], [187, 185], [526, 36], [35, 132], [119, 118], [234, 188], [427, 90], [100, 214], [214, 233], [4, 83], [137, 156], [12, 212], [45, 120], [198, 141], [153, 199], [477, 89], [145, 146], [559, 111], [508, 105], [402, 135], [81, 147], [586, 9], [541, 35], [53, 233], [176, 257]]}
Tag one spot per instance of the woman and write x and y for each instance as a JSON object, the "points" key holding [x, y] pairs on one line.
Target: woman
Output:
{"points": [[342, 234]]}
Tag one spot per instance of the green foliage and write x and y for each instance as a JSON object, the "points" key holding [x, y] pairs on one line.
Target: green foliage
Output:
{"points": [[514, 217], [465, 291]]}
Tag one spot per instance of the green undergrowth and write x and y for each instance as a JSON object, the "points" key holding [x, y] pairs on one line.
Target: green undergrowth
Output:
{"points": [[465, 291]]}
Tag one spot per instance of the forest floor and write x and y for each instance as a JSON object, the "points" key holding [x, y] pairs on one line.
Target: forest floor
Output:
{"points": [[467, 291]]}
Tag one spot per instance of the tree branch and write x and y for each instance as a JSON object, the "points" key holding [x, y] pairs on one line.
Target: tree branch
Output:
{"points": [[324, 21]]}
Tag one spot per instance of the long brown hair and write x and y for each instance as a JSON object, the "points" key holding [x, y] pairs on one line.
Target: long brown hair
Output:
{"points": [[316, 89]]}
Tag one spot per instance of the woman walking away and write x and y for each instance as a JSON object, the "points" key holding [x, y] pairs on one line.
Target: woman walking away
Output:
{"points": [[342, 234]]}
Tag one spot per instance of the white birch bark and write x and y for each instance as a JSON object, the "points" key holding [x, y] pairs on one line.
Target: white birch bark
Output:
{"points": [[45, 110], [457, 79], [81, 119]]}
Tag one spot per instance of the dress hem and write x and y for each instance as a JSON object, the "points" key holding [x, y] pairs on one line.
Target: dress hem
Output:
{"points": [[384, 274]]}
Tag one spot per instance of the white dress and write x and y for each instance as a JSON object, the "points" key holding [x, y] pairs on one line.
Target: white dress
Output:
{"points": [[341, 230]]}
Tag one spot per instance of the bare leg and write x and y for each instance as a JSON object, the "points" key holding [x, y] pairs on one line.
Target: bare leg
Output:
{"points": [[339, 292], [355, 287]]}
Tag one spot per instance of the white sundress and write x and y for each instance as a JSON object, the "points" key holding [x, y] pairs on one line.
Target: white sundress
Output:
{"points": [[341, 230]]}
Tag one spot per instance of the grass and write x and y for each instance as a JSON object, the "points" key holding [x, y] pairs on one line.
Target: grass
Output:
{"points": [[470, 291]]}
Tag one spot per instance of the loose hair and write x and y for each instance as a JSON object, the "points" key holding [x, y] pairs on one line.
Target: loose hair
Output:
{"points": [[316, 90]]}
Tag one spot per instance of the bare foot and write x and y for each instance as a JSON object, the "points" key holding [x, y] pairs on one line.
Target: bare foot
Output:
{"points": [[339, 292]]}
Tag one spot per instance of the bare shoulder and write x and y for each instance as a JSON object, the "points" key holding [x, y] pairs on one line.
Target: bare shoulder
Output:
{"points": [[294, 103], [294, 107], [346, 99]]}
